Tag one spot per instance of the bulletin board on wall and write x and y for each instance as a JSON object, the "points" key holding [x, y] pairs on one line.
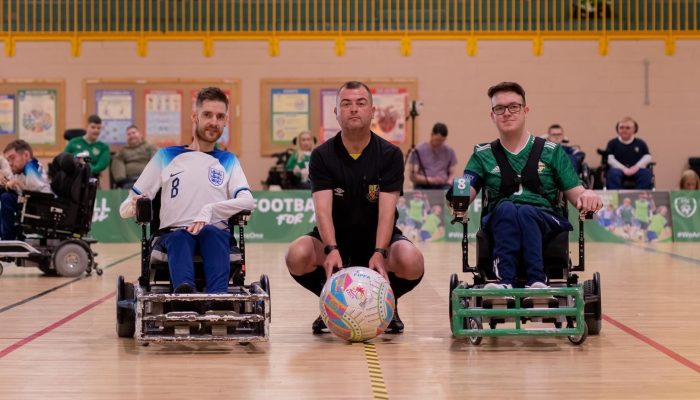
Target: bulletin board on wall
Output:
{"points": [[161, 109], [288, 106], [34, 111]]}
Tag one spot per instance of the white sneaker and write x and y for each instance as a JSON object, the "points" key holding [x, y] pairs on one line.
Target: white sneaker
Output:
{"points": [[497, 286], [538, 285]]}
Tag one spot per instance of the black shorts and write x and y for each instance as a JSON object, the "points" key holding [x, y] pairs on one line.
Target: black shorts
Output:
{"points": [[354, 249]]}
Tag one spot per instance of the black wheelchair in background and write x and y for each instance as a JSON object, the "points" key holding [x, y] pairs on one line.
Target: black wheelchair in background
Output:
{"points": [[566, 301], [279, 177], [54, 226], [150, 312]]}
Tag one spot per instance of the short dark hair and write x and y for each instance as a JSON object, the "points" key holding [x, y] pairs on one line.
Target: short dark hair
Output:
{"points": [[355, 85], [132, 126], [211, 93], [440, 129], [554, 126], [507, 87], [94, 119], [19, 145]]}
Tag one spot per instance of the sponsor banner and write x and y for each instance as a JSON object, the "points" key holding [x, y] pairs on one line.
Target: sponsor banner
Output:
{"points": [[107, 224], [280, 216], [685, 215], [283, 216]]}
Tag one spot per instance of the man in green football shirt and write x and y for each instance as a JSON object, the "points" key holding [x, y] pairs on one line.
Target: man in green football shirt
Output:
{"points": [[521, 212], [98, 151]]}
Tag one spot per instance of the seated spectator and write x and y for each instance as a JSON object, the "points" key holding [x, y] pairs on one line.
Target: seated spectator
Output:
{"points": [[555, 134], [690, 180], [130, 161], [28, 174], [432, 163], [298, 161], [97, 150], [628, 156]]}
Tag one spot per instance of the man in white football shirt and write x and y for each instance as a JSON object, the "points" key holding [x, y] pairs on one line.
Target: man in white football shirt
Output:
{"points": [[201, 187]]}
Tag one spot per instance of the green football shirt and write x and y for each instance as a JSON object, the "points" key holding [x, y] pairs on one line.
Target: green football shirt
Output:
{"points": [[641, 210], [555, 170]]}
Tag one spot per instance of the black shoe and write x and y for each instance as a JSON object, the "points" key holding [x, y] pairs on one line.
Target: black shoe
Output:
{"points": [[319, 327], [396, 325], [184, 288]]}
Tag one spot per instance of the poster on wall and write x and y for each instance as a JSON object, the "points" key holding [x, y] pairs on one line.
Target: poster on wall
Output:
{"points": [[7, 114], [389, 119], [223, 141], [36, 114], [329, 124], [163, 117], [116, 108], [290, 114]]}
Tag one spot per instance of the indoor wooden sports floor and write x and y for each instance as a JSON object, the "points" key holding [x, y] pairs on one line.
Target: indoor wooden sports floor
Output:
{"points": [[58, 340]]}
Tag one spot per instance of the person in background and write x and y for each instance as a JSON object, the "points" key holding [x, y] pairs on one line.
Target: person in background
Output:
{"points": [[130, 161], [433, 163], [628, 156], [555, 133], [690, 180], [27, 174], [298, 162], [90, 144]]}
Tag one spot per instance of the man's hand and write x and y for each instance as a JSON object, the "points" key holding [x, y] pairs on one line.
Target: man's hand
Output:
{"points": [[332, 263], [136, 198], [14, 184], [195, 227], [589, 201], [3, 180], [378, 263], [630, 171]]}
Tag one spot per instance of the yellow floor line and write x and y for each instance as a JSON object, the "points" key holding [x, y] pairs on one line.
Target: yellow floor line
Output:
{"points": [[375, 372]]}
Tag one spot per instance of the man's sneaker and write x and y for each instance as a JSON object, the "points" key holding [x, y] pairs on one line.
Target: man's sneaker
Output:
{"points": [[396, 325], [319, 327], [184, 288], [539, 301], [498, 301], [493, 285]]}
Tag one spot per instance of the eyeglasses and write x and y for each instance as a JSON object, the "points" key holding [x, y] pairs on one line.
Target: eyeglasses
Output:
{"points": [[513, 108]]}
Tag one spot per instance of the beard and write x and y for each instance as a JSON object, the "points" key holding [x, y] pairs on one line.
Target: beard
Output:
{"points": [[209, 134]]}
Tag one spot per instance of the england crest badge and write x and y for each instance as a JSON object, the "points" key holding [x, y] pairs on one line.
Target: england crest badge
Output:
{"points": [[216, 176]]}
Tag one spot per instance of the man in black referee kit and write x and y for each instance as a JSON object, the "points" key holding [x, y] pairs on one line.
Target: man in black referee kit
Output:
{"points": [[356, 180]]}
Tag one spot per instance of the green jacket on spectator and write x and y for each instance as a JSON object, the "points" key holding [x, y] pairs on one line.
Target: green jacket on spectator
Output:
{"points": [[99, 153]]}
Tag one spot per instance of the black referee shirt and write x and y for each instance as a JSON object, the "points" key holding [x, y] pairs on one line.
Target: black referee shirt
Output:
{"points": [[356, 183]]}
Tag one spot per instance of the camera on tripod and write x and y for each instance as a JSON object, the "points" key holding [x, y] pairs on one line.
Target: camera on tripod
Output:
{"points": [[416, 108]]}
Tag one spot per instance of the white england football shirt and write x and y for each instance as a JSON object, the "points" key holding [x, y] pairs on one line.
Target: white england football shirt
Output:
{"points": [[195, 186]]}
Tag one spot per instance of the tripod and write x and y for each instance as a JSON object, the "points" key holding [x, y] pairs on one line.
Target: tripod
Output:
{"points": [[412, 114]]}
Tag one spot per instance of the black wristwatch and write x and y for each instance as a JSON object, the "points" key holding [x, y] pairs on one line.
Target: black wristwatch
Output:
{"points": [[381, 251], [327, 250]]}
